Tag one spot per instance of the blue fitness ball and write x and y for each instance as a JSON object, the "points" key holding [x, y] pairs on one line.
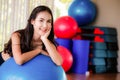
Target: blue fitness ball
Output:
{"points": [[39, 68], [83, 11]]}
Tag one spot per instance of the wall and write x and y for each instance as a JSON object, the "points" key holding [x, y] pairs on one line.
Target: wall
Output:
{"points": [[109, 15]]}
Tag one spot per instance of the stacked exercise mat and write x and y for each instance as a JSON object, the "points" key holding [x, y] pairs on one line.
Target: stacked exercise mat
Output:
{"points": [[103, 48]]}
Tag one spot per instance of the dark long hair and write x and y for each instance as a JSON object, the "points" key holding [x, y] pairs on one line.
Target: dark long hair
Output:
{"points": [[26, 34]]}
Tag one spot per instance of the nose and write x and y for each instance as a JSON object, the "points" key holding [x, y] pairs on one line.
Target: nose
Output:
{"points": [[45, 25]]}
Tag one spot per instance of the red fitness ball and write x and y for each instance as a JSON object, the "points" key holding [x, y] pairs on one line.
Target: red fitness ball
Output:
{"points": [[65, 27], [66, 56]]}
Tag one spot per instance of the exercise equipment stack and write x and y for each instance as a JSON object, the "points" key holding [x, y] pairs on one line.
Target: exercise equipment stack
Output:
{"points": [[103, 39], [80, 53], [94, 48], [103, 48]]}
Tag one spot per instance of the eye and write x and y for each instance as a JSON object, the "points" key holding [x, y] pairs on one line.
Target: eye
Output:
{"points": [[41, 20], [49, 21]]}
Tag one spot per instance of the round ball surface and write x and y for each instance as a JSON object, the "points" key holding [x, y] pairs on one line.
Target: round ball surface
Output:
{"points": [[66, 56], [83, 11], [65, 27], [39, 68]]}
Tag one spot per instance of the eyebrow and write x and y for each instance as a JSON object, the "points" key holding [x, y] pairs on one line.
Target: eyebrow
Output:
{"points": [[44, 19]]}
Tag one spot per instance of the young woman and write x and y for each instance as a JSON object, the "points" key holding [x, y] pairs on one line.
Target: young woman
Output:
{"points": [[37, 38]]}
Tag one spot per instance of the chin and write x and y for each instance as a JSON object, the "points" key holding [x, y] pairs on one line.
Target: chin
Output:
{"points": [[42, 34]]}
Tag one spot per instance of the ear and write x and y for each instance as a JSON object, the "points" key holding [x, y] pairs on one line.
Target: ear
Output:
{"points": [[32, 22]]}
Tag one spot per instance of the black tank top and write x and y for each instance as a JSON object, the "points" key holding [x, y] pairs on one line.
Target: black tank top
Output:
{"points": [[1, 59]]}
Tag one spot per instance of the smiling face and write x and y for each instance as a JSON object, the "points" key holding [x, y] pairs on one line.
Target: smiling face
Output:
{"points": [[42, 23]]}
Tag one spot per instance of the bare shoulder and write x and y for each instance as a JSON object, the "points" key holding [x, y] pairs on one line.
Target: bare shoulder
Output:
{"points": [[15, 35], [15, 38]]}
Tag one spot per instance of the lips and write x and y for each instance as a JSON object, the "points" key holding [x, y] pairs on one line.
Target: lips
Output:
{"points": [[43, 30]]}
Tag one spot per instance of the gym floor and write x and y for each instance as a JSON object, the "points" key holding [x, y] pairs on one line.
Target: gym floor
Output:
{"points": [[105, 76]]}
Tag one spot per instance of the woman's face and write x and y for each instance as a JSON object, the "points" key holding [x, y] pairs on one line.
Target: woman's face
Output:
{"points": [[42, 23]]}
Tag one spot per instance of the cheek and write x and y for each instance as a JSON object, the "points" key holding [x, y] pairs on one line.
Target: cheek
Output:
{"points": [[36, 28], [37, 24], [50, 26]]}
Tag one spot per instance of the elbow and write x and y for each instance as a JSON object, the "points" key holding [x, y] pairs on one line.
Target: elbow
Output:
{"points": [[19, 62], [59, 62]]}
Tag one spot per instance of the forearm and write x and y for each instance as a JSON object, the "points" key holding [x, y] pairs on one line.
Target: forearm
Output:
{"points": [[24, 57], [53, 53]]}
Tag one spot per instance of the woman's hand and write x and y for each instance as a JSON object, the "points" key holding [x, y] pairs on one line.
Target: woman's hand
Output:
{"points": [[45, 36], [5, 56], [44, 53]]}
